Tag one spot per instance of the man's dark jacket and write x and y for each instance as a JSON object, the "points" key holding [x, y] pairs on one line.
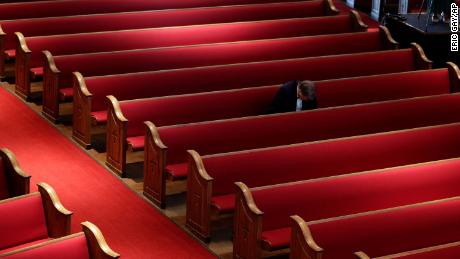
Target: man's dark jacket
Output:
{"points": [[285, 99]]}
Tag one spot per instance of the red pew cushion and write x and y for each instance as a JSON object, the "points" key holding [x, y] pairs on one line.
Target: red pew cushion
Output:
{"points": [[99, 116], [71, 248], [21, 221], [177, 171], [136, 143], [276, 239], [65, 94], [3, 183], [36, 72], [224, 204], [10, 53]]}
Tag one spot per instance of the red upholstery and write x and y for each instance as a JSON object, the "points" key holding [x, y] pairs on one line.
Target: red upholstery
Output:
{"points": [[177, 171], [389, 232], [334, 157], [36, 72], [366, 89], [353, 194], [10, 53], [70, 248], [184, 35], [74, 7], [237, 52], [291, 128], [184, 109], [171, 82], [65, 93], [447, 252], [136, 143], [153, 19], [22, 220], [3, 181], [224, 203], [276, 239], [99, 116]]}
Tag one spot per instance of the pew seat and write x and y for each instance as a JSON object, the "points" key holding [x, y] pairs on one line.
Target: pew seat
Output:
{"points": [[379, 233], [29, 50], [270, 207], [32, 218], [90, 92], [213, 175], [84, 245], [13, 181], [127, 117], [57, 86]]}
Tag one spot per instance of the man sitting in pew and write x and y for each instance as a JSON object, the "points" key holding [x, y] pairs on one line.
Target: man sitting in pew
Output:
{"points": [[294, 96]]}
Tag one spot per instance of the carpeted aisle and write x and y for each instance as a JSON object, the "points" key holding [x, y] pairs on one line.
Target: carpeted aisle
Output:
{"points": [[130, 225]]}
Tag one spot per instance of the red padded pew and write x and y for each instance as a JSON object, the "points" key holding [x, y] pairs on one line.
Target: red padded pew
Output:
{"points": [[211, 177], [88, 244], [154, 19], [58, 70], [451, 250], [269, 208], [32, 218], [379, 232], [12, 11], [126, 118], [89, 104], [29, 61], [13, 181]]}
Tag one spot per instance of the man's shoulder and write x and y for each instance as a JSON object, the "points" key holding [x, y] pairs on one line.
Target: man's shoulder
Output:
{"points": [[290, 85]]}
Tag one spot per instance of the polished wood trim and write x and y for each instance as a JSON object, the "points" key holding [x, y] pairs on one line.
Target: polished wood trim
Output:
{"points": [[388, 42], [97, 246], [247, 226], [454, 77], [420, 59], [58, 218], [154, 166], [18, 181], [50, 88], [361, 255], [199, 192], [302, 245], [329, 8], [81, 117], [23, 55], [117, 127], [2, 52], [357, 22], [418, 251]]}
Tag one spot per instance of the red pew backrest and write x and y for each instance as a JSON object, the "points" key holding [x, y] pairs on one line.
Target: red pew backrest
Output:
{"points": [[29, 222], [90, 92], [338, 196], [75, 7], [163, 18], [385, 232], [87, 244], [58, 70], [28, 53]]}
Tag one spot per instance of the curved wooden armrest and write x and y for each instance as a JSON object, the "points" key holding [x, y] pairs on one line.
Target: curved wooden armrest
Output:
{"points": [[18, 181], [97, 246], [357, 22], [387, 40], [421, 61], [361, 255], [58, 218]]}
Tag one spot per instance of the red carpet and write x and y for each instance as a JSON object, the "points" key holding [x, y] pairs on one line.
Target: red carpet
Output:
{"points": [[130, 225]]}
